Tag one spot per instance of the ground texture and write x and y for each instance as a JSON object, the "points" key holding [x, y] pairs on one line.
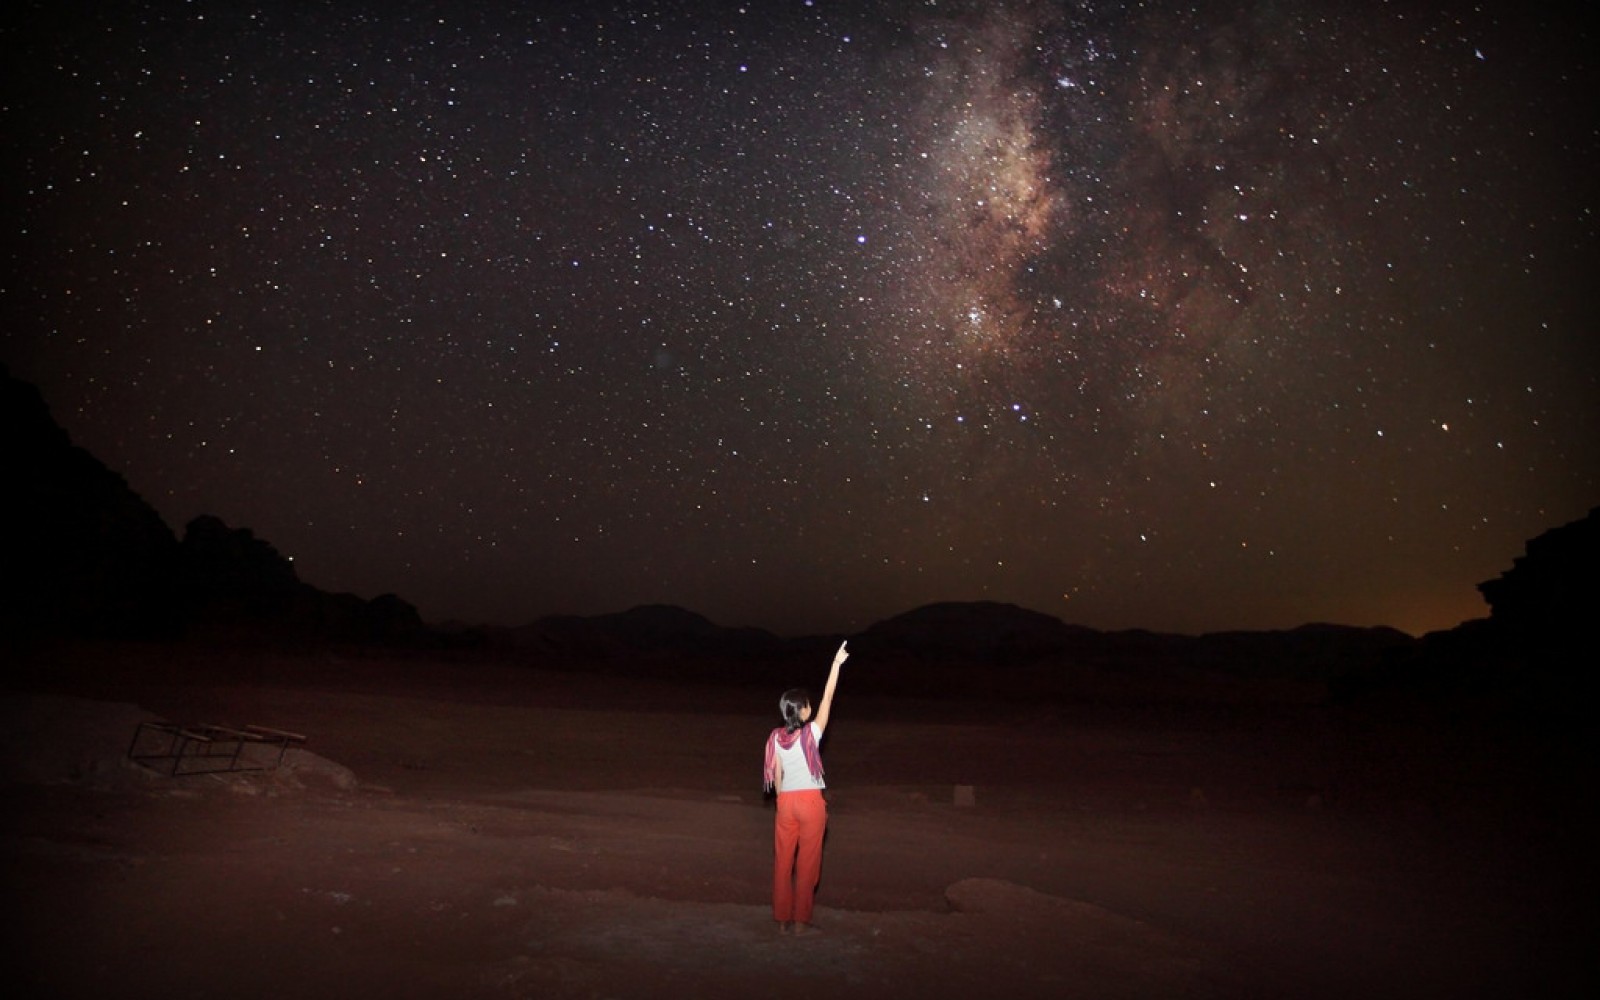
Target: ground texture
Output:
{"points": [[456, 830]]}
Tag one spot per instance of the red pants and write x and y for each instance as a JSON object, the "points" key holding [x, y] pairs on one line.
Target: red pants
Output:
{"points": [[797, 857]]}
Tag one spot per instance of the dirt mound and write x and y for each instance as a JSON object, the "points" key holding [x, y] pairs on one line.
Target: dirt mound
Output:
{"points": [[51, 739], [59, 739]]}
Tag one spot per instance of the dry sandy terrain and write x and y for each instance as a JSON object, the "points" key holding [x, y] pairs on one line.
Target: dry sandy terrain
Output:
{"points": [[454, 831]]}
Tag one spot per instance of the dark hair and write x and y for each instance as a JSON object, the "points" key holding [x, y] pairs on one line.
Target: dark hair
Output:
{"points": [[790, 705]]}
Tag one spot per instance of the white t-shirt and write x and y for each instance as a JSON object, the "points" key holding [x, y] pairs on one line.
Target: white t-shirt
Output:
{"points": [[796, 775]]}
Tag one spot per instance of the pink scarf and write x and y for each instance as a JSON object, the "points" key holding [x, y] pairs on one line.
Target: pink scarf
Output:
{"points": [[781, 737]]}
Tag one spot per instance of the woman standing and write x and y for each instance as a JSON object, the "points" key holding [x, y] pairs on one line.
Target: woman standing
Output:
{"points": [[793, 768]]}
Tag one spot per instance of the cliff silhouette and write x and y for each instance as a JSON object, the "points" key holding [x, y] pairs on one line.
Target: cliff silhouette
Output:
{"points": [[1549, 599], [86, 556]]}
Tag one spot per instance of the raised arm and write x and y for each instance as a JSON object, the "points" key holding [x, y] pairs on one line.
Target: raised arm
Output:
{"points": [[824, 709]]}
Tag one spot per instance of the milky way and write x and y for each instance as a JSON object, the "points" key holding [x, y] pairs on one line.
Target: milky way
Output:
{"points": [[803, 314]]}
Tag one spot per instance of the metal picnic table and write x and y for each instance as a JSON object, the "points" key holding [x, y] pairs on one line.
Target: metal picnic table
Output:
{"points": [[183, 749]]}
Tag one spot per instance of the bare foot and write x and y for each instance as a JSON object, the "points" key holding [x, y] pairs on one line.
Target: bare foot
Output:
{"points": [[786, 927], [801, 929]]}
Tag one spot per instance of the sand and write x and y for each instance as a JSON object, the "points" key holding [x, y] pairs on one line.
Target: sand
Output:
{"points": [[471, 830]]}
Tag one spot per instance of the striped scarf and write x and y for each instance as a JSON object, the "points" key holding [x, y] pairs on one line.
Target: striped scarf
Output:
{"points": [[781, 737]]}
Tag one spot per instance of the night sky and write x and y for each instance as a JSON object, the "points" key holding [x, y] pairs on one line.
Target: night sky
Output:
{"points": [[803, 314]]}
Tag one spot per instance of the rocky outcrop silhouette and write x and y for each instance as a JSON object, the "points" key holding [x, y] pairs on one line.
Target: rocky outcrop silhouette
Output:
{"points": [[232, 578], [231, 574], [84, 555], [1549, 599], [1530, 652]]}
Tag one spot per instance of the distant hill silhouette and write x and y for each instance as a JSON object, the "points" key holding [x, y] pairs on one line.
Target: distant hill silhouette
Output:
{"points": [[980, 649], [84, 555], [981, 631], [651, 628], [1001, 651], [1006, 652]]}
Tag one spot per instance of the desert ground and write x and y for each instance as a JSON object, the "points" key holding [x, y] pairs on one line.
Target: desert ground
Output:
{"points": [[479, 830]]}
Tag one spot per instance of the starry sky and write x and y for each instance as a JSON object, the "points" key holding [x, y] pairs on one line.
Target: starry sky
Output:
{"points": [[804, 313]]}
